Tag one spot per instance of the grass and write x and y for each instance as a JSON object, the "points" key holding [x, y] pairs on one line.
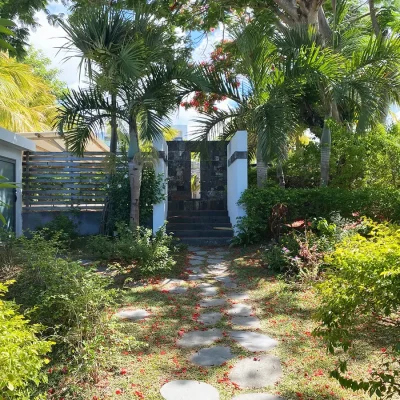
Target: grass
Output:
{"points": [[127, 368]]}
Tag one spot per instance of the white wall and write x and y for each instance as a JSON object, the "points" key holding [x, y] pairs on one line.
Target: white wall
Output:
{"points": [[12, 146], [15, 154], [237, 177], [160, 210]]}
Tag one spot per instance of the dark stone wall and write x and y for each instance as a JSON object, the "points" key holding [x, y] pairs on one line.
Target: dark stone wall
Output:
{"points": [[213, 175]]}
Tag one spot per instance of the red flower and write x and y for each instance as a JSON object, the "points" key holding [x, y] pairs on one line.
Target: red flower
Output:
{"points": [[118, 391], [123, 371]]}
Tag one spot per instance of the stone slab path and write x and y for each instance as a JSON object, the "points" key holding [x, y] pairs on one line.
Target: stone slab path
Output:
{"points": [[220, 301]]}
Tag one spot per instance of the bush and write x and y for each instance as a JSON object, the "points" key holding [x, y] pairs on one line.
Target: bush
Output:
{"points": [[59, 293], [63, 226], [150, 255], [119, 195], [22, 353], [363, 284], [305, 204]]}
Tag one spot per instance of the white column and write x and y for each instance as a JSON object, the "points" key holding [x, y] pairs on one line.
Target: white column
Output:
{"points": [[237, 176], [160, 210]]}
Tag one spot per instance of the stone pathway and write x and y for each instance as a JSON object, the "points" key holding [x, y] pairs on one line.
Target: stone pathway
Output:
{"points": [[219, 297]]}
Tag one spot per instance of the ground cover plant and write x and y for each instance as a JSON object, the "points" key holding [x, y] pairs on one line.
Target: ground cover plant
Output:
{"points": [[286, 310]]}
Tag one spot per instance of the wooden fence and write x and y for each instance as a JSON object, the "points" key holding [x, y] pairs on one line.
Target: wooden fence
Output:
{"points": [[62, 181]]}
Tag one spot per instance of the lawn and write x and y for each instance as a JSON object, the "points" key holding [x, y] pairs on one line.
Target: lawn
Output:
{"points": [[127, 368]]}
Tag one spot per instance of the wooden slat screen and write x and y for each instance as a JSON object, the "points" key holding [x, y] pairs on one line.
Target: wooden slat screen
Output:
{"points": [[61, 181]]}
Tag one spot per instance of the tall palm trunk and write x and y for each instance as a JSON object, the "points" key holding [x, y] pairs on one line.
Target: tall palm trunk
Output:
{"points": [[262, 167], [113, 125], [135, 167], [326, 140]]}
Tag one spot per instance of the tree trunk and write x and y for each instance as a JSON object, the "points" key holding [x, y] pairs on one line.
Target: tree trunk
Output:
{"points": [[280, 175], [113, 125], [325, 153], [135, 180], [262, 167], [135, 167]]}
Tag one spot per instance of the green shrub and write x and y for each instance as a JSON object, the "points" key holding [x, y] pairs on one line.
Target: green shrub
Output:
{"points": [[151, 254], [59, 293], [119, 195], [363, 284], [22, 353], [305, 204], [63, 226]]}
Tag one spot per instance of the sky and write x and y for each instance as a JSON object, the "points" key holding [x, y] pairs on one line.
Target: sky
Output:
{"points": [[50, 39]]}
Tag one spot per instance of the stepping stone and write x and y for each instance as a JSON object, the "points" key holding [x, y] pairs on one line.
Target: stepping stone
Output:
{"points": [[256, 372], [215, 260], [204, 285], [212, 356], [240, 310], [210, 318], [197, 257], [248, 322], [227, 281], [178, 290], [238, 296], [257, 396], [132, 315], [209, 291], [184, 390], [253, 341], [208, 303], [175, 282], [202, 252], [199, 338], [220, 266], [194, 270], [194, 249], [197, 277], [218, 272], [196, 262], [221, 253]]}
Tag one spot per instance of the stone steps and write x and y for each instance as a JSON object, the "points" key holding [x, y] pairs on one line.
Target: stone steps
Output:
{"points": [[201, 227]]}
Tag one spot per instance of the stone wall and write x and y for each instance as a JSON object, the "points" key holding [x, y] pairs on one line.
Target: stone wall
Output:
{"points": [[213, 172]]}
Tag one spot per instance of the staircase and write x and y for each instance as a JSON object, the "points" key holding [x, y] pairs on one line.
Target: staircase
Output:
{"points": [[201, 228]]}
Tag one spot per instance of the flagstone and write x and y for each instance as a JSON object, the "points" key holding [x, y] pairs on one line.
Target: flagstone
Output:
{"points": [[199, 338], [240, 310], [257, 396], [248, 322], [209, 291], [210, 318], [178, 290], [185, 389], [253, 341], [238, 296], [207, 303], [256, 372], [212, 356], [132, 315]]}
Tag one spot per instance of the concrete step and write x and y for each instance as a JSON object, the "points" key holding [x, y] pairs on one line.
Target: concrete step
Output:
{"points": [[197, 213], [215, 220], [202, 241], [224, 233], [203, 226]]}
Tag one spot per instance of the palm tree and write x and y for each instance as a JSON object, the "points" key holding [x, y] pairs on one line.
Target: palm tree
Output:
{"points": [[26, 101], [142, 98]]}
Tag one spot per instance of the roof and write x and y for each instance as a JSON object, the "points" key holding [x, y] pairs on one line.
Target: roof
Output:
{"points": [[15, 140], [53, 142]]}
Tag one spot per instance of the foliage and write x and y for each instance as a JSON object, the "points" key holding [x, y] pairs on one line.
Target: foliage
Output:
{"points": [[305, 204], [63, 226], [149, 255], [119, 195], [41, 66], [368, 160], [8, 253], [362, 287], [26, 101], [22, 353], [60, 294]]}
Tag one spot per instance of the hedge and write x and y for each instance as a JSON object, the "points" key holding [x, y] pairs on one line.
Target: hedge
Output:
{"points": [[377, 204]]}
